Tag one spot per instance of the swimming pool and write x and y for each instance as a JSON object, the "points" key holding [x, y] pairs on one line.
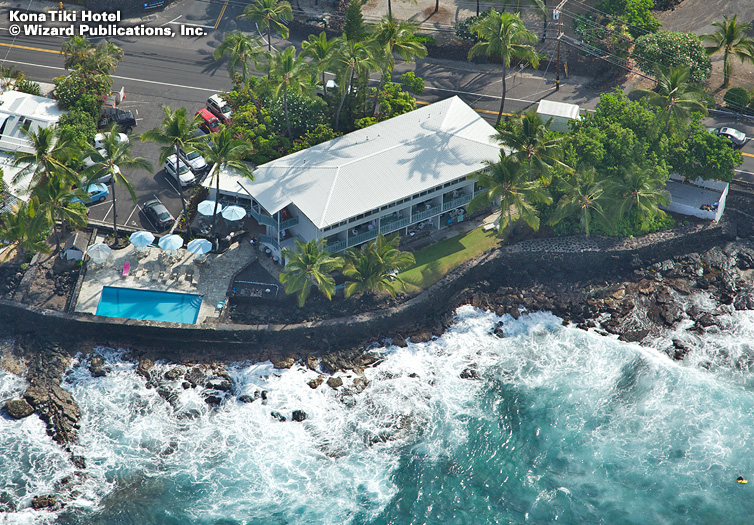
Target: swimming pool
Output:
{"points": [[130, 303]]}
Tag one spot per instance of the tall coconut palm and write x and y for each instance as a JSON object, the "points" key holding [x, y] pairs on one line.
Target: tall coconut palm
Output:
{"points": [[56, 201], [504, 36], [584, 197], [23, 228], [309, 265], [242, 50], [224, 151], [107, 56], [731, 39], [77, 50], [48, 156], [507, 181], [532, 143], [289, 73], [643, 189], [269, 15], [116, 155], [320, 50], [674, 95], [351, 60], [374, 268]]}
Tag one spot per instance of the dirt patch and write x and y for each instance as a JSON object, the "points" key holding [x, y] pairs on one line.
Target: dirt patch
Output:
{"points": [[53, 284]]}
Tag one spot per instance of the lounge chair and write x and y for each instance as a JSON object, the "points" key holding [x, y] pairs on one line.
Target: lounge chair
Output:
{"points": [[126, 269]]}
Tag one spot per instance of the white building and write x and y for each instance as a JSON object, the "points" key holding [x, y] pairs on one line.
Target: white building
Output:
{"points": [[560, 113], [411, 172], [21, 110]]}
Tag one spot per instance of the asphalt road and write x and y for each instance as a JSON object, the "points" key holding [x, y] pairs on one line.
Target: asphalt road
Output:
{"points": [[180, 71]]}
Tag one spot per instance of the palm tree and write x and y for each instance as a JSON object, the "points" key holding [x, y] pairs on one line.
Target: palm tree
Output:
{"points": [[224, 151], [309, 265], [676, 97], [504, 36], [641, 188], [531, 142], [507, 180], [391, 38], [23, 228], [107, 56], [116, 155], [269, 15], [241, 50], [583, 196], [77, 50], [176, 135], [731, 39], [55, 200], [320, 50], [9, 75], [351, 59], [374, 268], [48, 156], [289, 72]]}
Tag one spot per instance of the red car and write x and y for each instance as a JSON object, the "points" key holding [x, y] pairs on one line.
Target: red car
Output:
{"points": [[209, 122]]}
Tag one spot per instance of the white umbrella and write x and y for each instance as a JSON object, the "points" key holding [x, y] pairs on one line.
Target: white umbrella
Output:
{"points": [[199, 246], [234, 213], [98, 253], [141, 239], [208, 208], [170, 242]]}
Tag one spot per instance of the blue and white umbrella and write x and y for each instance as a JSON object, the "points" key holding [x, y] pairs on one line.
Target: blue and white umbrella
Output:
{"points": [[234, 213], [141, 239], [207, 208], [199, 246], [170, 242], [98, 253]]}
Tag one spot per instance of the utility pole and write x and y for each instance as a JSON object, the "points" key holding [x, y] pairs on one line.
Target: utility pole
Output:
{"points": [[556, 17]]}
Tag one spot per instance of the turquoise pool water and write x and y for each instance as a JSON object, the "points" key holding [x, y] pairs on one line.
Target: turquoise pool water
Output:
{"points": [[130, 303]]}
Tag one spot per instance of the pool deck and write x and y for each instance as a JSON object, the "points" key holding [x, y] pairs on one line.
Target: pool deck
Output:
{"points": [[153, 269]]}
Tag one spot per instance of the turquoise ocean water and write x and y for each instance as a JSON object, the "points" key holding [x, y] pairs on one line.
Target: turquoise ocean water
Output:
{"points": [[559, 426]]}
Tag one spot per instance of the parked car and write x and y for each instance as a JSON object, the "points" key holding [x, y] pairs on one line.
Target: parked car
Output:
{"points": [[98, 192], [179, 170], [99, 139], [197, 162], [124, 119], [157, 213], [88, 162], [738, 138], [208, 122], [219, 108]]}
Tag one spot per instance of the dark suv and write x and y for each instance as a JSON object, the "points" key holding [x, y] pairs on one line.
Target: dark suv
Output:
{"points": [[124, 119]]}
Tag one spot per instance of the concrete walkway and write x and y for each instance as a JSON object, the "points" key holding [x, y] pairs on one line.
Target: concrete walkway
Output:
{"points": [[151, 269]]}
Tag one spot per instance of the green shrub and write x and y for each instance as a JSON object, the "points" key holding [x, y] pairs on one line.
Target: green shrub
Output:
{"points": [[27, 86], [24, 267], [365, 122], [462, 27], [322, 133], [85, 90], [412, 83], [670, 48], [636, 13], [737, 98], [424, 39], [77, 126]]}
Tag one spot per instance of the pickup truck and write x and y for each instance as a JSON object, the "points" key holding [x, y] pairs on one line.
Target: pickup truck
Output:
{"points": [[125, 119]]}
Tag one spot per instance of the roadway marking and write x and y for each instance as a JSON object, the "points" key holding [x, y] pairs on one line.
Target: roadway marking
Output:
{"points": [[744, 171], [747, 154], [31, 48], [222, 12]]}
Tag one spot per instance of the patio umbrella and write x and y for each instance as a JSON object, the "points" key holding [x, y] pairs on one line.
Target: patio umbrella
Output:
{"points": [[207, 208], [170, 242], [141, 239], [234, 213], [98, 253], [199, 246]]}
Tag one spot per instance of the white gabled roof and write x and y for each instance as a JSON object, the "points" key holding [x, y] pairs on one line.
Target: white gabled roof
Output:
{"points": [[16, 109], [375, 166], [558, 109]]}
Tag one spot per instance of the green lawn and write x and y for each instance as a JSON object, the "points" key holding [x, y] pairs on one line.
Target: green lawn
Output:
{"points": [[436, 260]]}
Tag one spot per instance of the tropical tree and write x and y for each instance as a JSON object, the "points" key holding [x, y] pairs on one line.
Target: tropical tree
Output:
{"points": [[107, 56], [289, 73], [23, 228], [507, 182], [309, 265], [225, 151], [48, 156], [351, 59], [116, 155], [505, 37], [241, 50], [674, 95], [269, 15], [532, 143], [80, 53], [583, 197], [77, 50], [374, 268], [643, 189], [730, 38], [176, 135], [56, 201], [320, 50]]}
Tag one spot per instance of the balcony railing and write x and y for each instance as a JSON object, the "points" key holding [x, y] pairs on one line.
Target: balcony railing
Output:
{"points": [[362, 237], [287, 223], [388, 227], [264, 219], [455, 203], [336, 246], [416, 217], [272, 241]]}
